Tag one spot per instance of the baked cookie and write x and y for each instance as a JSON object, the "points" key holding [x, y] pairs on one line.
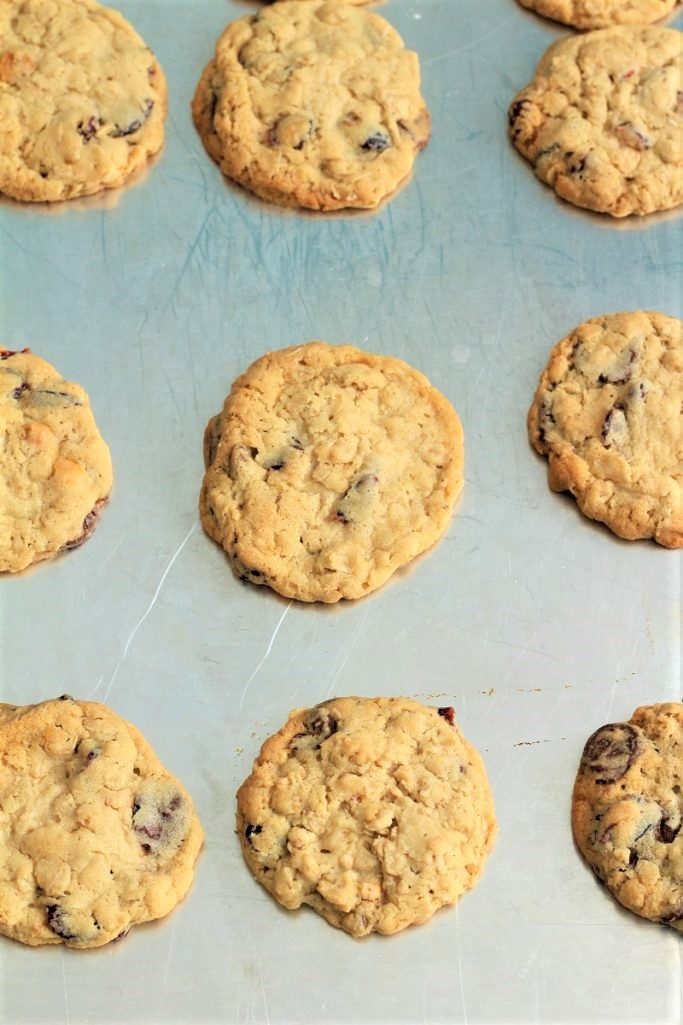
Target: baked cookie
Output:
{"points": [[313, 104], [328, 469], [607, 413], [627, 811], [602, 120], [55, 469], [82, 99], [587, 14], [376, 812], [97, 835]]}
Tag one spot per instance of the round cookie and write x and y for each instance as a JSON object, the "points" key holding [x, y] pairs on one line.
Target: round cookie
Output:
{"points": [[588, 14], [328, 469], [607, 413], [627, 811], [376, 812], [97, 835], [601, 122], [55, 469], [82, 99], [313, 104]]}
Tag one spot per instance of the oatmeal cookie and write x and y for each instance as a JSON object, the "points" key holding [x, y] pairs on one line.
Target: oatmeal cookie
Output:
{"points": [[55, 469], [314, 105], [82, 99], [376, 812], [627, 811], [602, 123], [97, 835], [329, 468], [607, 413]]}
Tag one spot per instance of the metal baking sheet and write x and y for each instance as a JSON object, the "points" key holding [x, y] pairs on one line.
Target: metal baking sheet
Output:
{"points": [[536, 624]]}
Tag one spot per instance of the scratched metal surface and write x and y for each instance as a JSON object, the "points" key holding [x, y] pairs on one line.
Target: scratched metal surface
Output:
{"points": [[537, 625]]}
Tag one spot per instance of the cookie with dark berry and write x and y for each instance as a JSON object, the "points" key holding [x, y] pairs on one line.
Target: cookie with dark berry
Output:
{"points": [[328, 469], [314, 105]]}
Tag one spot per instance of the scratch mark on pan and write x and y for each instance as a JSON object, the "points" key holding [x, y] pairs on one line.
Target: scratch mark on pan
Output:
{"points": [[462, 987], [260, 974], [150, 606], [344, 658], [467, 46], [66, 994], [268, 651], [95, 688]]}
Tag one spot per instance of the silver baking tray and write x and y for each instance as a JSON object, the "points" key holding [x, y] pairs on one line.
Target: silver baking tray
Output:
{"points": [[537, 625]]}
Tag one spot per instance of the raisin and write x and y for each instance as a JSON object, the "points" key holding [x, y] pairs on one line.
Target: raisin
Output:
{"points": [[88, 129], [611, 751], [252, 831], [376, 143], [18, 392], [56, 921], [6, 353], [515, 111], [134, 126], [667, 833], [448, 714]]}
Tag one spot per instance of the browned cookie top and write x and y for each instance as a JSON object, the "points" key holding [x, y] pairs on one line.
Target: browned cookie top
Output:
{"points": [[627, 811], [601, 121], [82, 99], [313, 104], [55, 469]]}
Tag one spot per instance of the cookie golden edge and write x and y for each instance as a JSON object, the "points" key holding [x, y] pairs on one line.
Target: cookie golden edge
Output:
{"points": [[556, 10]]}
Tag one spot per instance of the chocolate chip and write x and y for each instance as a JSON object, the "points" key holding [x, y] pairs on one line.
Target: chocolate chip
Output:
{"points": [[516, 110], [134, 126], [632, 859], [159, 818], [296, 444], [610, 752], [88, 526], [614, 426], [56, 921], [667, 833], [577, 166], [376, 143], [620, 374], [88, 129], [65, 697], [448, 714], [319, 727], [351, 503], [252, 831]]}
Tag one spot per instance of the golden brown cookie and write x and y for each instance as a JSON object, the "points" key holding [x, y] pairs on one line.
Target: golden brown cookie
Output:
{"points": [[587, 14], [55, 469], [313, 104], [97, 835], [627, 811], [607, 413], [82, 99], [329, 468], [601, 122], [375, 812]]}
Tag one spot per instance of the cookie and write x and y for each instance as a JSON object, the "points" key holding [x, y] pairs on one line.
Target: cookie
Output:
{"points": [[607, 413], [375, 812], [601, 122], [97, 835], [627, 811], [587, 14], [329, 468], [82, 99], [55, 469], [313, 104]]}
